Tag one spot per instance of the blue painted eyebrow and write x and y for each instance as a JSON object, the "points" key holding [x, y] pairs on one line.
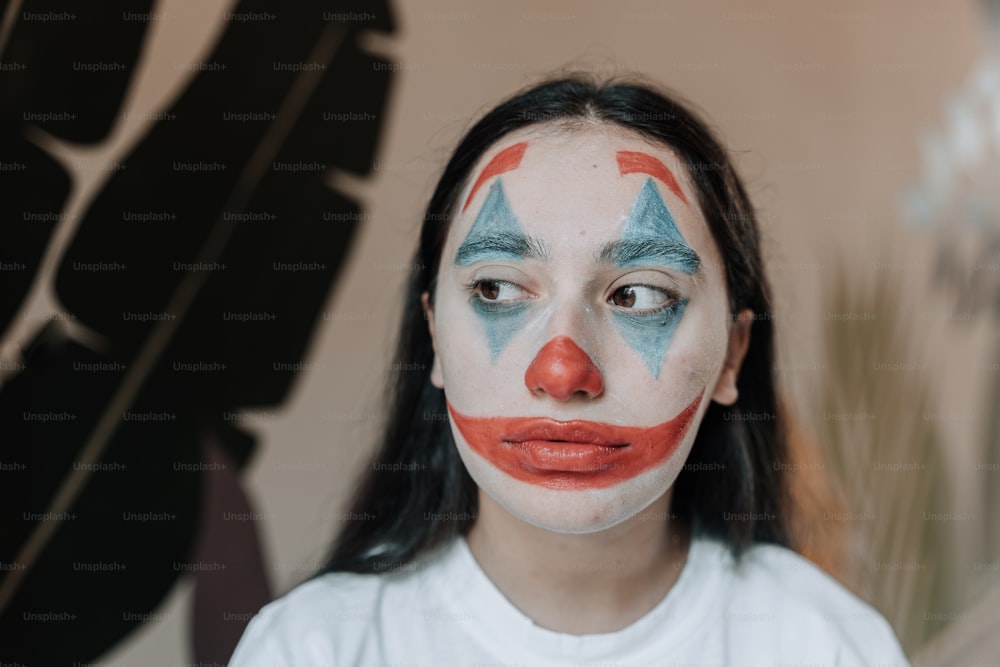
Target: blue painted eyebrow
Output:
{"points": [[496, 234], [651, 236], [500, 245], [651, 252]]}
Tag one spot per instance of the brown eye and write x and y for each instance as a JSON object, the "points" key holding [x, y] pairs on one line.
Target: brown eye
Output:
{"points": [[624, 297], [641, 299], [496, 293], [489, 289]]}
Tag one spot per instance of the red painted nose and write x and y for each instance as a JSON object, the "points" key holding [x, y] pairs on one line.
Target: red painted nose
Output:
{"points": [[562, 369]]}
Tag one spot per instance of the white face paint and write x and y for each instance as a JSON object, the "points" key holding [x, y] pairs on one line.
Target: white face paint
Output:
{"points": [[578, 284]]}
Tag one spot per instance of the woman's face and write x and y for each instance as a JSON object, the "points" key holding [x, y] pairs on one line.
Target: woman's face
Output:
{"points": [[580, 325]]}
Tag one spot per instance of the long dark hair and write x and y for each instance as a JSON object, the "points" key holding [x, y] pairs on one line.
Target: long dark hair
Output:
{"points": [[417, 493]]}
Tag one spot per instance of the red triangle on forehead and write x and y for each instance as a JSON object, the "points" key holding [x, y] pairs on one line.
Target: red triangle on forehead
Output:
{"points": [[506, 160], [635, 162]]}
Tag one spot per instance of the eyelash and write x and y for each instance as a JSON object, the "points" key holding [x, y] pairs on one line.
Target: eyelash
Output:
{"points": [[475, 297], [673, 300]]}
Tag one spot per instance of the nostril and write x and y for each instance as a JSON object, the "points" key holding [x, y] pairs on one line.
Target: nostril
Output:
{"points": [[561, 369]]}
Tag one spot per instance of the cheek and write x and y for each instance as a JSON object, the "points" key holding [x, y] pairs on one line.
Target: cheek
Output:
{"points": [[650, 336], [692, 355], [499, 326], [696, 362], [469, 342], [699, 347]]}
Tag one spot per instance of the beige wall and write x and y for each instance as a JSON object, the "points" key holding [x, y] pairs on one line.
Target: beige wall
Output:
{"points": [[824, 102]]}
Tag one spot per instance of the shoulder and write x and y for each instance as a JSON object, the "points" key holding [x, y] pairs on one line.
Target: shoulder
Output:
{"points": [[325, 619], [331, 598], [777, 594], [795, 584]]}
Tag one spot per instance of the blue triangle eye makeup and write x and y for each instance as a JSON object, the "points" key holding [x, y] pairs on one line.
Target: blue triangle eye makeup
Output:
{"points": [[497, 235], [651, 238]]}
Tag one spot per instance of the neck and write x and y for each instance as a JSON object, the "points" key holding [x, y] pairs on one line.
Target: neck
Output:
{"points": [[581, 584]]}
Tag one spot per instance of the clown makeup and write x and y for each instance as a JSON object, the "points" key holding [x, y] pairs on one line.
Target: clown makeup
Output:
{"points": [[580, 324], [497, 236], [651, 238]]}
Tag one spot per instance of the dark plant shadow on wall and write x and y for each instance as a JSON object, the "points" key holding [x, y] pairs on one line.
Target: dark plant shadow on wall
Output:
{"points": [[189, 291]]}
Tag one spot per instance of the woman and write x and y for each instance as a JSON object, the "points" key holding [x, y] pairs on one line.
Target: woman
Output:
{"points": [[585, 469]]}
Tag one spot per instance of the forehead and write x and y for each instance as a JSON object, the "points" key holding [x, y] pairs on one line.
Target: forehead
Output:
{"points": [[579, 183]]}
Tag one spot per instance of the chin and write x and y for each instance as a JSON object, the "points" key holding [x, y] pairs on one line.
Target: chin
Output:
{"points": [[569, 512], [572, 511]]}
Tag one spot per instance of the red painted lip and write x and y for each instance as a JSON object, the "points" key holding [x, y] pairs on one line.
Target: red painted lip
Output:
{"points": [[582, 432], [572, 454]]}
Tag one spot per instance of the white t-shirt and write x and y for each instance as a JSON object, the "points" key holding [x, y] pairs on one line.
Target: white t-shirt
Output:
{"points": [[774, 608]]}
